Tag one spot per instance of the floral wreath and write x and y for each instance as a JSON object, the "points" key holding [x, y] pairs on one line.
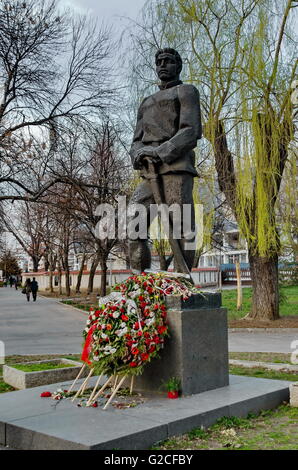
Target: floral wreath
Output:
{"points": [[128, 331]]}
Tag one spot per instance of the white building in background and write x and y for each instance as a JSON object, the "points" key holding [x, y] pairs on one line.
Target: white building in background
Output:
{"points": [[229, 248]]}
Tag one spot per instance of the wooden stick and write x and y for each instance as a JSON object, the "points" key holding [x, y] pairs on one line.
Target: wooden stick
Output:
{"points": [[115, 383], [132, 383], [83, 386], [77, 378], [103, 388], [114, 393], [239, 286], [86, 383], [94, 390]]}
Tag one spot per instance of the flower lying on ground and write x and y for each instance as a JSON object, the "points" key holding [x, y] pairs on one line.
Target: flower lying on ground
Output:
{"points": [[128, 331]]}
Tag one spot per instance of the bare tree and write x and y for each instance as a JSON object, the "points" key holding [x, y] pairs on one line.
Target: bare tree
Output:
{"points": [[53, 70]]}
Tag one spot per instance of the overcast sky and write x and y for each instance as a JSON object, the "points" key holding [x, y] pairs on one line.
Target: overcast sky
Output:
{"points": [[107, 10]]}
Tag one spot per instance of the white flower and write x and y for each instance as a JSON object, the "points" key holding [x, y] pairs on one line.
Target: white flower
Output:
{"points": [[123, 325], [104, 336], [113, 350], [86, 329], [95, 358], [149, 321], [103, 327], [121, 332], [116, 314], [88, 322], [93, 317]]}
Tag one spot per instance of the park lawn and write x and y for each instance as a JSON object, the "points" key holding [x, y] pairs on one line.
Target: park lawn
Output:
{"points": [[288, 305], [12, 360], [40, 367], [261, 373], [270, 430], [275, 358]]}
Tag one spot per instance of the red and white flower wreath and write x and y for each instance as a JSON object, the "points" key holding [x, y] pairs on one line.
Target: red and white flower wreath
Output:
{"points": [[128, 331]]}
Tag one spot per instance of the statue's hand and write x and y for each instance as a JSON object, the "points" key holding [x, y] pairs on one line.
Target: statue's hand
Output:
{"points": [[138, 164], [146, 152]]}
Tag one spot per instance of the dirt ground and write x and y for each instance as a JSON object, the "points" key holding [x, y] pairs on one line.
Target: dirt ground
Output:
{"points": [[283, 322]]}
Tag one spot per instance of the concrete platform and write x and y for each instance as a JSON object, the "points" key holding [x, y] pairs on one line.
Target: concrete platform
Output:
{"points": [[30, 422]]}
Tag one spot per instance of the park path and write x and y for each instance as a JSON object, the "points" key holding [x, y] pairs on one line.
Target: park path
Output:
{"points": [[49, 327], [42, 327]]}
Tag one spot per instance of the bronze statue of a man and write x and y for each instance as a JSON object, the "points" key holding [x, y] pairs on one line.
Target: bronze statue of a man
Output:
{"points": [[168, 127]]}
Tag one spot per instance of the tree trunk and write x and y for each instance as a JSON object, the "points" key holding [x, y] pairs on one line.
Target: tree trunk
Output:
{"points": [[35, 260], [67, 279], [92, 273], [59, 279], [46, 264], [264, 276], [103, 283], [51, 281], [79, 280]]}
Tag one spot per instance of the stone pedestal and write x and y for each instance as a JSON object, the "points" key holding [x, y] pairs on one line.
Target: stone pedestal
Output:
{"points": [[197, 349]]}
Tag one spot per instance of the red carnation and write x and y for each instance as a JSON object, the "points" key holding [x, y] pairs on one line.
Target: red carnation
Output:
{"points": [[146, 334], [124, 317], [122, 310], [46, 394], [140, 333], [144, 357], [156, 307], [133, 364], [135, 351], [143, 304], [149, 290], [151, 349], [163, 308], [141, 298], [161, 329], [95, 404]]}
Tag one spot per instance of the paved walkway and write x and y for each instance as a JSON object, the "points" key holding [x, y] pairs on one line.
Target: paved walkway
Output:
{"points": [[42, 327], [261, 340], [49, 327]]}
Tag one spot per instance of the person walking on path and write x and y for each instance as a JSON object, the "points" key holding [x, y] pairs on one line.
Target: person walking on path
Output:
{"points": [[27, 289], [34, 289]]}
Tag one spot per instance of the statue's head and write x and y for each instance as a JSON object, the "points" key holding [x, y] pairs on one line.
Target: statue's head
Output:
{"points": [[168, 64]]}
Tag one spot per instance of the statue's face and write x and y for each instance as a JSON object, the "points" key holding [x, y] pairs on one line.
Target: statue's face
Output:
{"points": [[166, 67]]}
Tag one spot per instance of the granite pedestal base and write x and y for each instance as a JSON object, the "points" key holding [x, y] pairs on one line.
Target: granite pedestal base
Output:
{"points": [[197, 350]]}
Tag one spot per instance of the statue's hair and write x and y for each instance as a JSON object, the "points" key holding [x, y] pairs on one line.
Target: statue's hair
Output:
{"points": [[169, 50]]}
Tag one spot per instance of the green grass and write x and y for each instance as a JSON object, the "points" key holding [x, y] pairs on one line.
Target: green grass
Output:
{"points": [[270, 430], [11, 360], [4, 387], [40, 367], [289, 305], [263, 373], [85, 307], [278, 358]]}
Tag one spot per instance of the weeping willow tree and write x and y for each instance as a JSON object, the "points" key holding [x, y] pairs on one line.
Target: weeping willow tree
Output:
{"points": [[242, 55]]}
